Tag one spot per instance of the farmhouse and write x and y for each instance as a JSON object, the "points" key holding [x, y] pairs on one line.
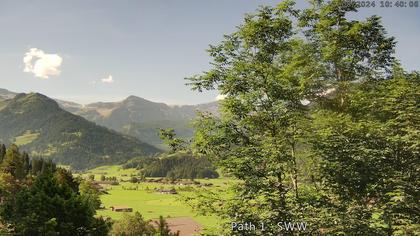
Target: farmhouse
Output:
{"points": [[121, 209], [170, 191]]}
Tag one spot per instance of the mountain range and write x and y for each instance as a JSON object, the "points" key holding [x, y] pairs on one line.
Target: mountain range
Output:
{"points": [[141, 118], [93, 134]]}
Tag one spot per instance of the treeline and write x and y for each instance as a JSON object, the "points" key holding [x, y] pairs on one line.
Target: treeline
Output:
{"points": [[180, 165], [20, 165]]}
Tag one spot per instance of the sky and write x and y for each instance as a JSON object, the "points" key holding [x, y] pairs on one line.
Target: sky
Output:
{"points": [[105, 50]]}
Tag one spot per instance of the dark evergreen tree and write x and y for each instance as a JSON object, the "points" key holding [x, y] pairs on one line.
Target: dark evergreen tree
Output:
{"points": [[26, 163], [36, 165], [65, 177], [47, 166], [13, 162], [2, 152], [48, 208]]}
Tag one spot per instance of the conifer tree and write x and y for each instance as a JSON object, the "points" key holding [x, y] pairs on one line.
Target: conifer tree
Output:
{"points": [[2, 152], [13, 162]]}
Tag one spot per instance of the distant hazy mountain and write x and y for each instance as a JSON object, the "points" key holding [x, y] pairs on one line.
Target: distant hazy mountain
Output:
{"points": [[37, 124], [6, 94], [141, 118]]}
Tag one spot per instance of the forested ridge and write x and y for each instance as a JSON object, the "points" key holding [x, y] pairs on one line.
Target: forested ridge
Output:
{"points": [[45, 130]]}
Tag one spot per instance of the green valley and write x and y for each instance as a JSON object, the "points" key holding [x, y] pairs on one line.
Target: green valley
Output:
{"points": [[145, 197]]}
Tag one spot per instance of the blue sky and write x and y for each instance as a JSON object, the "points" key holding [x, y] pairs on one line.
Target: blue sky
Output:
{"points": [[112, 49]]}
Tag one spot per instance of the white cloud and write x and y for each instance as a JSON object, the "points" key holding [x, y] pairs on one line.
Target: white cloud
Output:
{"points": [[108, 80], [220, 97], [41, 64]]}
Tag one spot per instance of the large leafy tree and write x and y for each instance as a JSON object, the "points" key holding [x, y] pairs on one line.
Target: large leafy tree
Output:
{"points": [[369, 154], [278, 60], [348, 50]]}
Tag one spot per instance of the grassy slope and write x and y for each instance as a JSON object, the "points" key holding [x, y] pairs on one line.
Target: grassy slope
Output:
{"points": [[26, 138], [146, 201]]}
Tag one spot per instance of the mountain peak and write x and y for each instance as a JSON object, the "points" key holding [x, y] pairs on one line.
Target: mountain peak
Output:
{"points": [[4, 91], [135, 101], [62, 136], [6, 94], [34, 96], [33, 100], [134, 98]]}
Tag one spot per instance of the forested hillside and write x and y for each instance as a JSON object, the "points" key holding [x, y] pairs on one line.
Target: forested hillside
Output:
{"points": [[42, 128], [180, 165], [135, 116]]}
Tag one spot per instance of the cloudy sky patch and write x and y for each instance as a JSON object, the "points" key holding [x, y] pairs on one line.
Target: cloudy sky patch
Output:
{"points": [[42, 65]]}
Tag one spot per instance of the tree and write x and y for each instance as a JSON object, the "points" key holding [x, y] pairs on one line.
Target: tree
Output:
{"points": [[13, 163], [132, 225], [265, 73], [65, 177], [346, 50], [278, 59], [47, 166], [163, 228], [169, 138], [91, 177], [134, 179], [90, 194], [48, 208], [36, 166], [2, 152], [370, 156], [26, 163]]}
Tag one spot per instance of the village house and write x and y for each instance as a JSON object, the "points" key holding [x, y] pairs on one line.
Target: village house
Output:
{"points": [[121, 209], [167, 191]]}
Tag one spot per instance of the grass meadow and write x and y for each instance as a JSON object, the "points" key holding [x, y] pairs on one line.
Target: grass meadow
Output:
{"points": [[144, 198]]}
